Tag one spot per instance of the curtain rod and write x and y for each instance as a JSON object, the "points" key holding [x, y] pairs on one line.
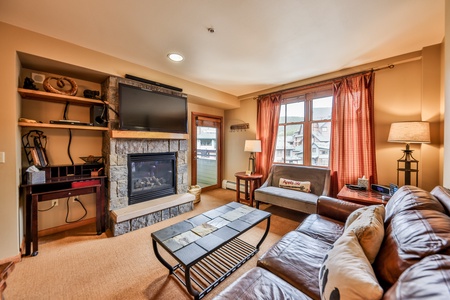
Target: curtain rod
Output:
{"points": [[323, 82]]}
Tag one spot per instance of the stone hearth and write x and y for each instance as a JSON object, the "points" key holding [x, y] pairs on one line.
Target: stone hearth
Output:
{"points": [[122, 217]]}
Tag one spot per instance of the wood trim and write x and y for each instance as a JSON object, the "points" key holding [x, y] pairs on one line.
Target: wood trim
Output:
{"points": [[51, 97], [16, 258], [47, 125], [65, 227], [128, 134]]}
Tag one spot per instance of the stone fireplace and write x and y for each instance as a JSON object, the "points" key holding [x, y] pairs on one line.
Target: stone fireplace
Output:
{"points": [[125, 215]]}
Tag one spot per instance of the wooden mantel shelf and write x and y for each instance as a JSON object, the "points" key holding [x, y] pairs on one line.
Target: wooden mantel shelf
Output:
{"points": [[127, 134]]}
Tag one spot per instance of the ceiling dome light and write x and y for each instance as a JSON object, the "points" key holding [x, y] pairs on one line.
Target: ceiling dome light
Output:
{"points": [[175, 57]]}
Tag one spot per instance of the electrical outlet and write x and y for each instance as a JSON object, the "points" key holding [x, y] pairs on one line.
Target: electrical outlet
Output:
{"points": [[55, 203], [74, 199]]}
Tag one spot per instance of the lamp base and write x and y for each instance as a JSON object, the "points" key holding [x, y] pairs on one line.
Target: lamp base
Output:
{"points": [[251, 164]]}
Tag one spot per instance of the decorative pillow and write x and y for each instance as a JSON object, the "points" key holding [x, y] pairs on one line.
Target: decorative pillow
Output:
{"points": [[354, 215], [303, 186], [369, 229], [346, 273]]}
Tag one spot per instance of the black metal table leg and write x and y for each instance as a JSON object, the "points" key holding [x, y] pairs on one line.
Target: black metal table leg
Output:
{"points": [[159, 257], [265, 234], [187, 280]]}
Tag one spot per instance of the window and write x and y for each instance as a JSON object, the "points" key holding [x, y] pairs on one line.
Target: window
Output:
{"points": [[305, 126]]}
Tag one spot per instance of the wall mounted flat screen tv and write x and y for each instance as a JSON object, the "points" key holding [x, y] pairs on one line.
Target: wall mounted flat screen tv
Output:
{"points": [[145, 110]]}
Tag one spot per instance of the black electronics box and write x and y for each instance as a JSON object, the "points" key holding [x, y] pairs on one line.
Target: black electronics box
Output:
{"points": [[99, 115], [380, 188]]}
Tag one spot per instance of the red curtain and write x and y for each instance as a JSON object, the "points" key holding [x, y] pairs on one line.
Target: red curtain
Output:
{"points": [[267, 127], [352, 138]]}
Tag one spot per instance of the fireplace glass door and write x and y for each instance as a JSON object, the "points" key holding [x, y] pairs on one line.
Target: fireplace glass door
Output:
{"points": [[151, 176]]}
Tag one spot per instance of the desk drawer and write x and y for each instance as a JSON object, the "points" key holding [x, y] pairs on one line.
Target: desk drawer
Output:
{"points": [[66, 193]]}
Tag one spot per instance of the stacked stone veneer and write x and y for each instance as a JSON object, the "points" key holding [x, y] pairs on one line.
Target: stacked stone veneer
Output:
{"points": [[115, 153]]}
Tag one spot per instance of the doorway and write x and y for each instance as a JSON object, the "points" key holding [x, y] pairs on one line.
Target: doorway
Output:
{"points": [[206, 154]]}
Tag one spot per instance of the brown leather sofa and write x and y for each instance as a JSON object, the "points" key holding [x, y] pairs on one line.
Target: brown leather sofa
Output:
{"points": [[413, 261]]}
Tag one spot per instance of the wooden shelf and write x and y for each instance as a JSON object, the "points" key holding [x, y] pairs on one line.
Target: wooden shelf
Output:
{"points": [[60, 126], [127, 134], [51, 97]]}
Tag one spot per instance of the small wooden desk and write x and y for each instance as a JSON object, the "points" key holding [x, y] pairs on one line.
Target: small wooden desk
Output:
{"points": [[252, 182], [362, 197], [55, 188]]}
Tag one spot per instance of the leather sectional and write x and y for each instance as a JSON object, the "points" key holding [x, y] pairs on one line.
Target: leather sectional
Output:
{"points": [[413, 260]]}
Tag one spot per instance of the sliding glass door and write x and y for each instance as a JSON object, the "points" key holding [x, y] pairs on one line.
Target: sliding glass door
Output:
{"points": [[206, 139]]}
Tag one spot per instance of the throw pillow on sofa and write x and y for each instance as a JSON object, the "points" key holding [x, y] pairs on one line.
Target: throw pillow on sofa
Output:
{"points": [[368, 227], [303, 186], [346, 273]]}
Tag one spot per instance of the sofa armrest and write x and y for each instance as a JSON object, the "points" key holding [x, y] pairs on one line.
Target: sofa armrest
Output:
{"points": [[335, 208]]}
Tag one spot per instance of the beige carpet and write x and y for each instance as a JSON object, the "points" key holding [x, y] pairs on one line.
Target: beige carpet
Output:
{"points": [[81, 265]]}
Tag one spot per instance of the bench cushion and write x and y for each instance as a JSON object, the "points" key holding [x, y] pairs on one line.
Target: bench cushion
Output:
{"points": [[292, 199]]}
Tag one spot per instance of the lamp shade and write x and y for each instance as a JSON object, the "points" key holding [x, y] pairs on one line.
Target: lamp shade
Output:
{"points": [[409, 132], [252, 146]]}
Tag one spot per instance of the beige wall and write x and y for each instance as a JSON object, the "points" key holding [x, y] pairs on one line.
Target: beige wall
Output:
{"points": [[18, 40], [408, 92], [235, 157]]}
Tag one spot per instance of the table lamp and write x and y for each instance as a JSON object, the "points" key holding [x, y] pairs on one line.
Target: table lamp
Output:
{"points": [[252, 146], [409, 132]]}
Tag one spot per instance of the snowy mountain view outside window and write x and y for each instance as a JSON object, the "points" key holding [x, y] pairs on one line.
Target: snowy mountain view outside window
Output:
{"points": [[304, 130]]}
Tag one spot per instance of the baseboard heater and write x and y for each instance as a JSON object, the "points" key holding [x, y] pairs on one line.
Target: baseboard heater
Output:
{"points": [[231, 185]]}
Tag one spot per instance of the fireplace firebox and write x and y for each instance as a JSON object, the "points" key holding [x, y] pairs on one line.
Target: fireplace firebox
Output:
{"points": [[151, 176]]}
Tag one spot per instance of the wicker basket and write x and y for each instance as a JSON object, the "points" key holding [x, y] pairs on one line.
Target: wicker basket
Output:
{"points": [[196, 191]]}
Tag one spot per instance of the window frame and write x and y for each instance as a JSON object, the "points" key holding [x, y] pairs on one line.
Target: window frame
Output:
{"points": [[305, 95]]}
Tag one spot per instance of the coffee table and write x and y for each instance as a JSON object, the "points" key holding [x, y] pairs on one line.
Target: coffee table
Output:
{"points": [[207, 247]]}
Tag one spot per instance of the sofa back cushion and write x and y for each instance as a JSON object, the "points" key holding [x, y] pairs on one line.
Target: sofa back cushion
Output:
{"points": [[410, 236], [428, 279], [411, 198], [318, 177], [443, 195]]}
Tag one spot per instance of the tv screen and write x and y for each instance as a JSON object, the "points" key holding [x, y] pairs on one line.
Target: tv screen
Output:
{"points": [[145, 110]]}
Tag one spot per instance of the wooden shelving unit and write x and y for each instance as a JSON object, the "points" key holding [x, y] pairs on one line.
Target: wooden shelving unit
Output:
{"points": [[51, 97], [61, 126]]}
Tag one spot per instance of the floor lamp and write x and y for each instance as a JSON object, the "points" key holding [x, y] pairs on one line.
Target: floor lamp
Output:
{"points": [[252, 146], [409, 132]]}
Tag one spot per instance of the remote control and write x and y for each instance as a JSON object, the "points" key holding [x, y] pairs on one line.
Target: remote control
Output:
{"points": [[356, 187]]}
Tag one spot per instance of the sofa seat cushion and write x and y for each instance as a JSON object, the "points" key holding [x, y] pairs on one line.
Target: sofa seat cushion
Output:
{"points": [[296, 258], [321, 228], [411, 198], [411, 236], [291, 199], [428, 279], [259, 284]]}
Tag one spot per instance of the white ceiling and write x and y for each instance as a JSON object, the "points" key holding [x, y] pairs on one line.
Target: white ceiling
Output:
{"points": [[257, 44]]}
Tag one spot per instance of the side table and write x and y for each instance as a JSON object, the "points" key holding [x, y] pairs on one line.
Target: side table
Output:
{"points": [[252, 182], [362, 197]]}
